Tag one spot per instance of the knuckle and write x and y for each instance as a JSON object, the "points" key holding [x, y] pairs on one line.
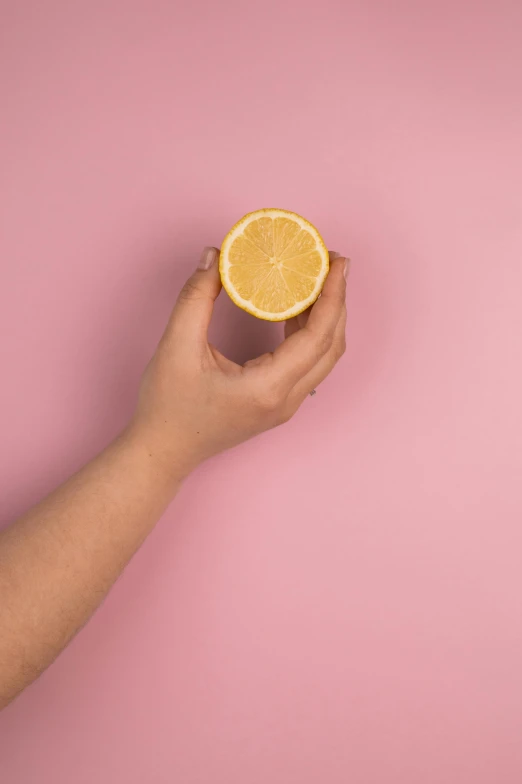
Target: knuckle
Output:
{"points": [[268, 399], [285, 416], [189, 292], [340, 349], [324, 342], [338, 295]]}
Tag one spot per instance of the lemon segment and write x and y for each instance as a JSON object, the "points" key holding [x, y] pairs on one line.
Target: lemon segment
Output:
{"points": [[273, 264]]}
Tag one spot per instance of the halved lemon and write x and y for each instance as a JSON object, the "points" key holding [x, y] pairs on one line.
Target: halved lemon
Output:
{"points": [[273, 264]]}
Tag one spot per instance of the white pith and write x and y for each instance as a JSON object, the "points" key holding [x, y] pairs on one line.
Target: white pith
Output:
{"points": [[225, 265]]}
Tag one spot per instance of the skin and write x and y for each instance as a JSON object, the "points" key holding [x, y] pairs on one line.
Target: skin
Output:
{"points": [[59, 560]]}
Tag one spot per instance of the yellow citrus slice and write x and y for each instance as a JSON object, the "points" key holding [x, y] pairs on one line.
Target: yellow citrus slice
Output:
{"points": [[273, 264]]}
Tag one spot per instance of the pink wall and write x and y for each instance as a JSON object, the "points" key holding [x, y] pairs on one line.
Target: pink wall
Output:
{"points": [[340, 600]]}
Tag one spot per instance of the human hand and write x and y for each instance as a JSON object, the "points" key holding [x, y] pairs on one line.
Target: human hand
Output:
{"points": [[194, 402]]}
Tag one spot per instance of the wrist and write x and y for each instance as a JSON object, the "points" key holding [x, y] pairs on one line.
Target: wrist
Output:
{"points": [[169, 462]]}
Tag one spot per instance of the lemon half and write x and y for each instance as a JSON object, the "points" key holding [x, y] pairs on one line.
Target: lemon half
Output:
{"points": [[273, 264]]}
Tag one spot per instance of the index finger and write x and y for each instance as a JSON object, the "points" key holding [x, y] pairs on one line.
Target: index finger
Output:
{"points": [[300, 352]]}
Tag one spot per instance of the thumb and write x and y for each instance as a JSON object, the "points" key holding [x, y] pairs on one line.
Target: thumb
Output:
{"points": [[193, 310]]}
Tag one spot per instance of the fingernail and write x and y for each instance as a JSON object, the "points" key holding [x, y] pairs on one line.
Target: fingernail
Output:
{"points": [[207, 258], [334, 254], [347, 268]]}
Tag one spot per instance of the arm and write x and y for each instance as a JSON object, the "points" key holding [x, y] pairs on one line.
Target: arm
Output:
{"points": [[60, 559]]}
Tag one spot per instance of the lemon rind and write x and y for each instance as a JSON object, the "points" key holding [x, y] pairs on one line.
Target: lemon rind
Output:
{"points": [[271, 212]]}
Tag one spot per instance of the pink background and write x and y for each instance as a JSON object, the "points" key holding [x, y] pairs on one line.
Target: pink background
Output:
{"points": [[341, 599]]}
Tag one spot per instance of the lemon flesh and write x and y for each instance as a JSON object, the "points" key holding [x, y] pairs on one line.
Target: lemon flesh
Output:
{"points": [[273, 264]]}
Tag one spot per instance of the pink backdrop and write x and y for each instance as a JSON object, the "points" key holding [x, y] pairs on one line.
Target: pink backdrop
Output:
{"points": [[340, 600]]}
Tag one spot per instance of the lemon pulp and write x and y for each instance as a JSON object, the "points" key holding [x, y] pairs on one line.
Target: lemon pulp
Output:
{"points": [[273, 264]]}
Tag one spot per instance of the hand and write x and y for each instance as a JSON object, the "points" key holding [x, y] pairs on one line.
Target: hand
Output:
{"points": [[194, 402]]}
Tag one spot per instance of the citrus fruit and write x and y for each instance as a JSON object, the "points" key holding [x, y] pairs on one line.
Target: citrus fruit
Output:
{"points": [[273, 264]]}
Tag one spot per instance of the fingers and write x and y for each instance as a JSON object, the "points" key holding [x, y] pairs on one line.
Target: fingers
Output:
{"points": [[296, 323], [323, 368], [299, 321], [304, 348], [193, 310]]}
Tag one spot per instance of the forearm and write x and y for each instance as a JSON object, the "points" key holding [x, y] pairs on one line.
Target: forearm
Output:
{"points": [[58, 561], [74, 544]]}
